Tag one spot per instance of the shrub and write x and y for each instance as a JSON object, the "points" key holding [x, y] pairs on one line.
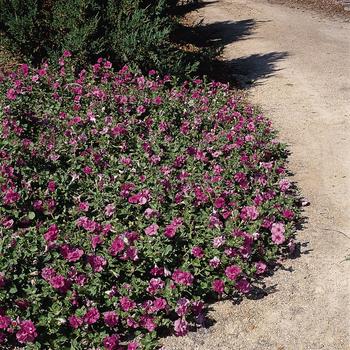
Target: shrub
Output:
{"points": [[128, 31], [127, 202]]}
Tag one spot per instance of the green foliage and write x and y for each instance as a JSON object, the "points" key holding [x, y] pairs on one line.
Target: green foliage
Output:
{"points": [[128, 31]]}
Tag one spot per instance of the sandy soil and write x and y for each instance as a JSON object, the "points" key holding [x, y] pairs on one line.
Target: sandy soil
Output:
{"points": [[297, 65]]}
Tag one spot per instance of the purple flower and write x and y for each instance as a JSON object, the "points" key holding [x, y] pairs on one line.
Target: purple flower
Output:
{"points": [[182, 277], [249, 213], [109, 210], [91, 316], [154, 285], [218, 286], [51, 234], [197, 252], [151, 230], [71, 254], [180, 327], [243, 286], [277, 231], [27, 332], [126, 304], [232, 272], [148, 323], [117, 246], [4, 322], [260, 267], [97, 262], [111, 342], [183, 305], [218, 241], [110, 318], [214, 262], [11, 94], [75, 321], [159, 304]]}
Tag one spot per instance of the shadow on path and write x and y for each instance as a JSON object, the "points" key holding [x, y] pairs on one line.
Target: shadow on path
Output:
{"points": [[249, 69]]}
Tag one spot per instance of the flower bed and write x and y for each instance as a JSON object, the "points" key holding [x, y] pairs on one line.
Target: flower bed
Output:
{"points": [[127, 202]]}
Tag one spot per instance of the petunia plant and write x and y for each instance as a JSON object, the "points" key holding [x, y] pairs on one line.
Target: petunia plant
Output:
{"points": [[127, 201]]}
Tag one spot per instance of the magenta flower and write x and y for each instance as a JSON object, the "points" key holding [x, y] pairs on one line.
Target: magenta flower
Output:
{"points": [[11, 196], [75, 321], [11, 94], [170, 231], [260, 267], [182, 277], [57, 281], [133, 346], [277, 231], [232, 272], [148, 323], [249, 213], [180, 327], [51, 234], [91, 316], [214, 262], [159, 304], [284, 185], [183, 305], [219, 202], [126, 304], [109, 210], [197, 252], [67, 53], [5, 321], [154, 285], [51, 186], [71, 254], [111, 342], [110, 318], [84, 206], [218, 286], [243, 286], [97, 262], [117, 246], [151, 230], [27, 332], [218, 241]]}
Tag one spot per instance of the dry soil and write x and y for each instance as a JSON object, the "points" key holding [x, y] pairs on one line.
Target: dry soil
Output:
{"points": [[297, 65]]}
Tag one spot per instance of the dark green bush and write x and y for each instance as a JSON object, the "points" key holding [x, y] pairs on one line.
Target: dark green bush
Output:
{"points": [[128, 31]]}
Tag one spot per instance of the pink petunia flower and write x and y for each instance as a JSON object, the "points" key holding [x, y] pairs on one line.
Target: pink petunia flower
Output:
{"points": [[117, 246], [180, 327], [91, 316], [260, 267], [51, 234], [232, 272], [249, 213], [183, 305], [110, 318], [197, 252], [218, 286], [27, 332], [75, 321], [5, 321], [111, 342], [277, 230], [151, 230], [243, 286], [126, 304], [182, 277]]}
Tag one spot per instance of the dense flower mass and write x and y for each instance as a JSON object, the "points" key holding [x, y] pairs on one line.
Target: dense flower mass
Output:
{"points": [[127, 201]]}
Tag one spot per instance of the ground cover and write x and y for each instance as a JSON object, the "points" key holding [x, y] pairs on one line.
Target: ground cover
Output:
{"points": [[128, 202]]}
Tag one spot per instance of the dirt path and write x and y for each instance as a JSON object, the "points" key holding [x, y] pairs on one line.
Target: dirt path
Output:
{"points": [[299, 63]]}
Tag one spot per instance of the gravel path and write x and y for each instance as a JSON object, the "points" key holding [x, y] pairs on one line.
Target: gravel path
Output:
{"points": [[299, 65]]}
